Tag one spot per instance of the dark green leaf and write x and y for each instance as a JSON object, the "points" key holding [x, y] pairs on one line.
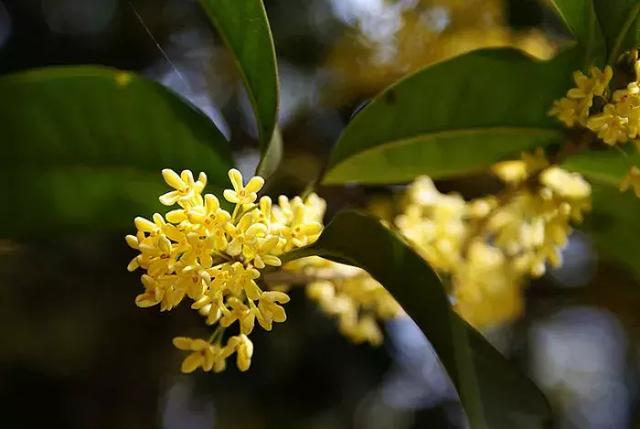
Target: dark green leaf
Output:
{"points": [[620, 25], [495, 394], [614, 227], [244, 26], [81, 143], [453, 118], [580, 18]]}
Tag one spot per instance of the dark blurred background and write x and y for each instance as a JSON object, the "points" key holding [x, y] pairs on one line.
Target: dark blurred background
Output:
{"points": [[75, 352]]}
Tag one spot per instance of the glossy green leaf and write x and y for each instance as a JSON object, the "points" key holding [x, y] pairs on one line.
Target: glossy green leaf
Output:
{"points": [[244, 27], [620, 24], [76, 140], [495, 394], [453, 117], [607, 167], [580, 18]]}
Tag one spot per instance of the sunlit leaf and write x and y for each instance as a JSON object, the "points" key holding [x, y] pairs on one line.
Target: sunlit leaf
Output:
{"points": [[79, 142], [454, 117], [495, 394], [244, 27]]}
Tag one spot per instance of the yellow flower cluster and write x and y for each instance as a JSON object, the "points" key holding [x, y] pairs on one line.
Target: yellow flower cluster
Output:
{"points": [[488, 246], [201, 251], [350, 295], [574, 108], [618, 121]]}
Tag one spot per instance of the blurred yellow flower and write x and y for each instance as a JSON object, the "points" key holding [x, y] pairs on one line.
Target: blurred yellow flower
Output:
{"points": [[631, 180], [487, 247], [350, 295]]}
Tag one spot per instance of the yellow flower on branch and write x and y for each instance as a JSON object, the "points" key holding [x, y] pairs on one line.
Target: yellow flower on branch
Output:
{"points": [[609, 125], [187, 190], [201, 251], [242, 194], [574, 108]]}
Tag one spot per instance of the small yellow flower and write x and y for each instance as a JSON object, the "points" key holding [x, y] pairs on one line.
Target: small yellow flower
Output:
{"points": [[574, 108], [187, 190], [244, 351], [269, 310], [610, 127], [244, 279], [240, 312], [194, 280], [242, 194], [212, 220], [587, 87], [631, 180], [569, 111], [202, 355], [210, 305], [513, 172], [263, 250], [244, 236], [153, 292], [565, 184]]}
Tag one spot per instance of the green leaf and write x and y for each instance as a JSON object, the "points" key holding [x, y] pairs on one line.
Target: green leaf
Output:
{"points": [[272, 156], [81, 143], [580, 18], [607, 167], [614, 227], [614, 218], [244, 27], [495, 394], [453, 117], [620, 25]]}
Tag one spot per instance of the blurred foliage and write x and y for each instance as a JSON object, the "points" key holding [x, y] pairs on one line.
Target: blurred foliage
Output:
{"points": [[397, 41], [83, 147], [399, 135], [493, 394]]}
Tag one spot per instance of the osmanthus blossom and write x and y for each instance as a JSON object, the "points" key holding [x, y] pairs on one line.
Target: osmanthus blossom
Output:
{"points": [[488, 247], [484, 249], [201, 251], [615, 121], [224, 262], [217, 259]]}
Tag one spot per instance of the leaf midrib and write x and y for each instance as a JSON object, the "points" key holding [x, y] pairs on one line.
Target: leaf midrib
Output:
{"points": [[444, 134]]}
